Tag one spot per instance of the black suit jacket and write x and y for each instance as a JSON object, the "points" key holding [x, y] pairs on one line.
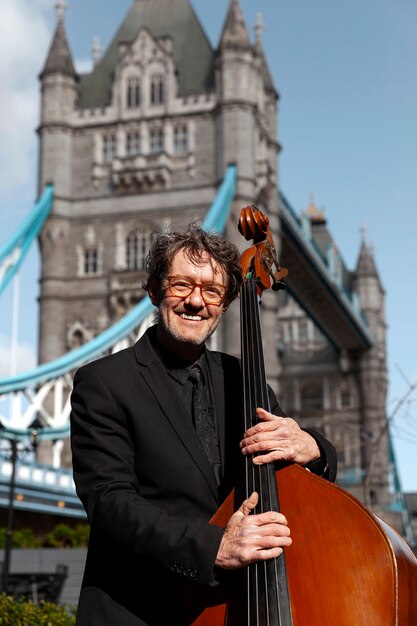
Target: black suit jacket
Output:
{"points": [[147, 486]]}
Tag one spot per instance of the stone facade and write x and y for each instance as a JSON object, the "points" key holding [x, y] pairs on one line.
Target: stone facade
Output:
{"points": [[143, 141]]}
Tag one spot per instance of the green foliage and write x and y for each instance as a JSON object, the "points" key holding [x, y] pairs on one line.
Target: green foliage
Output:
{"points": [[23, 538], [62, 536], [24, 613]]}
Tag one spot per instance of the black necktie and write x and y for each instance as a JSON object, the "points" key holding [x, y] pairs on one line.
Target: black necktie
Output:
{"points": [[204, 421]]}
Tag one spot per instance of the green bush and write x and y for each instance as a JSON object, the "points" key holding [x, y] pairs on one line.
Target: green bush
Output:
{"points": [[23, 538], [24, 613], [62, 536]]}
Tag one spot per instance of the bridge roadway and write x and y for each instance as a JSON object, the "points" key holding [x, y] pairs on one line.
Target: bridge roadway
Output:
{"points": [[40, 488]]}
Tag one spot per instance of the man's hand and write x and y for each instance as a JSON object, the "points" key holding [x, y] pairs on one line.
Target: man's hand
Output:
{"points": [[279, 439], [250, 538]]}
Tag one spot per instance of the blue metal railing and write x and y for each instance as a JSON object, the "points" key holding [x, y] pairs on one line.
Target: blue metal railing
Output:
{"points": [[15, 250]]}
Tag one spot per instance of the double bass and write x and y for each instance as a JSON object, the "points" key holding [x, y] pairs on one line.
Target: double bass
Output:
{"points": [[345, 566]]}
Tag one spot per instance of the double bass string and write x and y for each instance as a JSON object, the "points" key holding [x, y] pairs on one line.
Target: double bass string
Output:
{"points": [[248, 401], [263, 600], [267, 584]]}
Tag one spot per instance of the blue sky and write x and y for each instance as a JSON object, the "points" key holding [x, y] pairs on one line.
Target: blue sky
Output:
{"points": [[347, 77]]}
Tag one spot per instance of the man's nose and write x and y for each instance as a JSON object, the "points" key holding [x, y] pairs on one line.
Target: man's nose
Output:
{"points": [[196, 298]]}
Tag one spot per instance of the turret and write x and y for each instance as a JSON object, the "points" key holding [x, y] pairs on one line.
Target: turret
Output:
{"points": [[246, 136], [373, 378], [58, 100]]}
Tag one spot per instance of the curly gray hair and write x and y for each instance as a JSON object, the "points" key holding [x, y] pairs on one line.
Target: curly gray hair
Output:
{"points": [[195, 242]]}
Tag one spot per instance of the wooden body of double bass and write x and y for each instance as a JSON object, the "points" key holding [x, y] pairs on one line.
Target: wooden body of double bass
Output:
{"points": [[345, 567]]}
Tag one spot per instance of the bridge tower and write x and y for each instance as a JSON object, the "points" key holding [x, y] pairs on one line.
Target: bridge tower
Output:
{"points": [[140, 142]]}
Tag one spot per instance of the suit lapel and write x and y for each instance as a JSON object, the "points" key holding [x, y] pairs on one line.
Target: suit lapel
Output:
{"points": [[171, 404]]}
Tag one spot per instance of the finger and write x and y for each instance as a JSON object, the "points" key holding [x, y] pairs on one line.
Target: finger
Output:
{"points": [[274, 455], [265, 415], [276, 436], [271, 523], [266, 555], [249, 504], [268, 425], [286, 448]]}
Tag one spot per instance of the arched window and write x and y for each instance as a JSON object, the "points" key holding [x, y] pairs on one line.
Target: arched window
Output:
{"points": [[133, 95], [156, 140], [157, 91], [109, 148], [311, 397], [133, 144], [90, 261], [345, 398], [77, 335], [302, 331], [181, 139], [137, 247]]}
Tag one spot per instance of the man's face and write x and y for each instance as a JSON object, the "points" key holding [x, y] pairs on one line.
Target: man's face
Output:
{"points": [[185, 323]]}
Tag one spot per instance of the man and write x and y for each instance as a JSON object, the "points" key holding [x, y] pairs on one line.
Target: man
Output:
{"points": [[149, 473]]}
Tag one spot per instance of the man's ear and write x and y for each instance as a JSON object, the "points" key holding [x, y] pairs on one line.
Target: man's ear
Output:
{"points": [[154, 291]]}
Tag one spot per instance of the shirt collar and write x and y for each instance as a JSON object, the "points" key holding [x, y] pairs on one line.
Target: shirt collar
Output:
{"points": [[176, 367]]}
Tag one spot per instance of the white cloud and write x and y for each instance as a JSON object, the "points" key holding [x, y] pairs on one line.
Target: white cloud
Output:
{"points": [[24, 39], [26, 357]]}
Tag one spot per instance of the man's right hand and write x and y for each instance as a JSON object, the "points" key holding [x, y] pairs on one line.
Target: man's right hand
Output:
{"points": [[251, 538]]}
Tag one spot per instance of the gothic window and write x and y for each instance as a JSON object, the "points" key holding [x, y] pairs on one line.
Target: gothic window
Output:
{"points": [[109, 148], [133, 144], [181, 139], [302, 331], [77, 339], [133, 95], [90, 261], [311, 397], [341, 456], [157, 89], [137, 247], [77, 335], [345, 398], [156, 140]]}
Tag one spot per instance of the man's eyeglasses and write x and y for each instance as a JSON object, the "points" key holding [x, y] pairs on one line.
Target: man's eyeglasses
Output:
{"points": [[182, 287]]}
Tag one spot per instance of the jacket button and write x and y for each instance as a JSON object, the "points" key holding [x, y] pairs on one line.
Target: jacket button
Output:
{"points": [[193, 573]]}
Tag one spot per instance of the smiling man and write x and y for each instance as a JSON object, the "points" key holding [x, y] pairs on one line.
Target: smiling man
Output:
{"points": [[157, 445]]}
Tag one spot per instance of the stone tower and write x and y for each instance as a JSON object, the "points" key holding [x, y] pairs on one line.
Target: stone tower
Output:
{"points": [[372, 380], [141, 142]]}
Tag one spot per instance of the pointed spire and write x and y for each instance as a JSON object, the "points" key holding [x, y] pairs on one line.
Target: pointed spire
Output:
{"points": [[315, 214], [234, 33], [59, 59], [60, 8], [366, 265], [259, 29], [96, 50]]}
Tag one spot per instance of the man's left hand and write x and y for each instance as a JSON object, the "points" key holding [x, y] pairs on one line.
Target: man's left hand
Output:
{"points": [[278, 439]]}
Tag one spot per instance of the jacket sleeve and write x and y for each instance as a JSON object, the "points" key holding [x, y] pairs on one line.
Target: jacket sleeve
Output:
{"points": [[107, 484], [326, 466]]}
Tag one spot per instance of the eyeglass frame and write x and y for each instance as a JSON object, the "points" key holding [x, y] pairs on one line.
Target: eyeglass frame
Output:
{"points": [[200, 285]]}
